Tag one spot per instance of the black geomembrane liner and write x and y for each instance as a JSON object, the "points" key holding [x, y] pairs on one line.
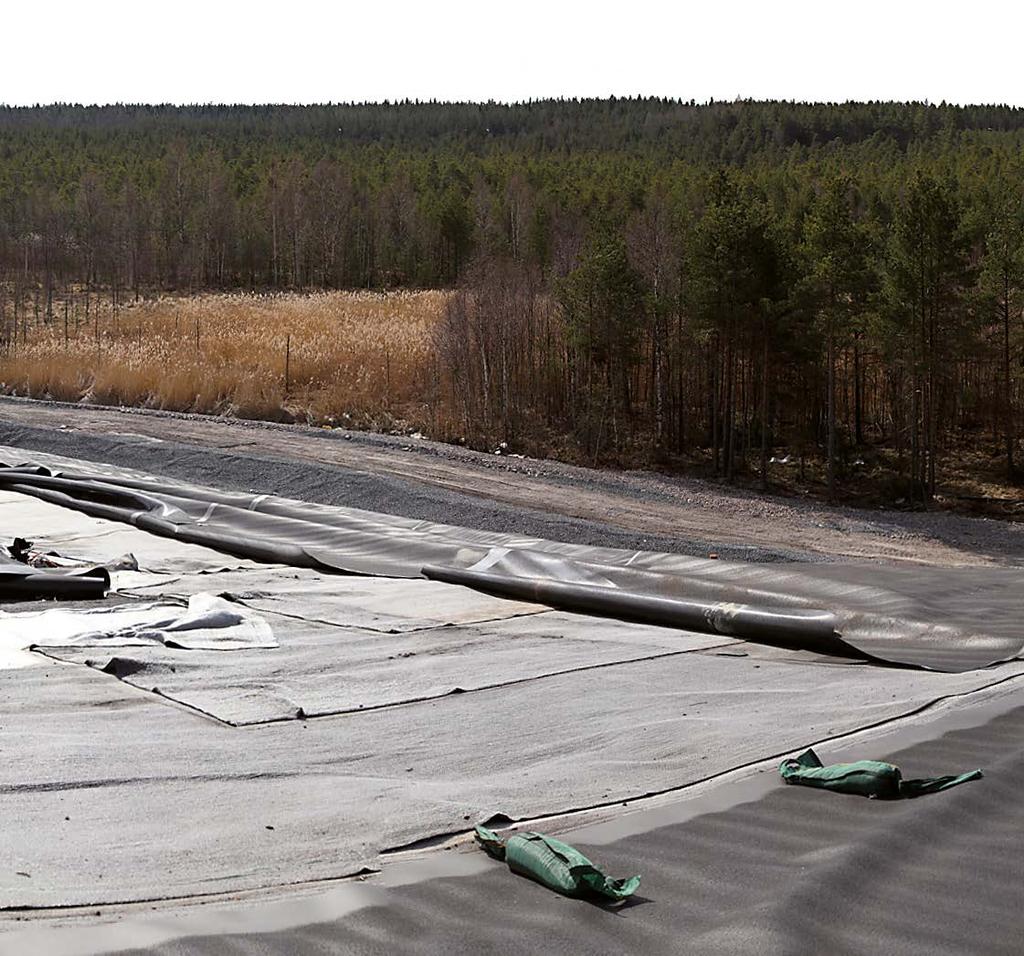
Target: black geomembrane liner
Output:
{"points": [[949, 619]]}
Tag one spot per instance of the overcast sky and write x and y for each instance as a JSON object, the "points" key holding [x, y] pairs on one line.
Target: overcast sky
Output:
{"points": [[296, 51]]}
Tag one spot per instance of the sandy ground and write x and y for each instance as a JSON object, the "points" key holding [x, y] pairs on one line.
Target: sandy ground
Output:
{"points": [[650, 509]]}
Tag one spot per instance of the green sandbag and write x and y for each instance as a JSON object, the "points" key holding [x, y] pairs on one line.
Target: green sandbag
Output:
{"points": [[866, 778], [557, 865]]}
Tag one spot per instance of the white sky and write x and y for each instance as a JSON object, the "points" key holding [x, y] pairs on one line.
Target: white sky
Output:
{"points": [[297, 51]]}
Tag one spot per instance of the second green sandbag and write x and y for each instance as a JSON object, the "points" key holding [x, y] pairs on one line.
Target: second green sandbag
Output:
{"points": [[866, 778]]}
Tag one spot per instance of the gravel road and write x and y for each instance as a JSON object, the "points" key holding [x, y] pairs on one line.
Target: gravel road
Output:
{"points": [[439, 482]]}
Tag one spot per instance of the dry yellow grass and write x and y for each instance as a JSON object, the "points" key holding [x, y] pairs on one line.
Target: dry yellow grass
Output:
{"points": [[358, 358]]}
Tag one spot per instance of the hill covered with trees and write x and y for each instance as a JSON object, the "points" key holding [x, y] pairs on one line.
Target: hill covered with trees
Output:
{"points": [[638, 280]]}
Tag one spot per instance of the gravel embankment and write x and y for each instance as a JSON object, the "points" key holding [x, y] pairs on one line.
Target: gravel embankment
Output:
{"points": [[440, 482]]}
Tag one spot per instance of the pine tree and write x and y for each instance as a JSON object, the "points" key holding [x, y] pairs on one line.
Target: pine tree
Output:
{"points": [[603, 300], [835, 251], [927, 271], [1002, 286]]}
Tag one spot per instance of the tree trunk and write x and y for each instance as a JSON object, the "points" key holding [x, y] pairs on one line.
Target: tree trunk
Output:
{"points": [[830, 426], [1007, 380], [858, 395], [764, 410]]}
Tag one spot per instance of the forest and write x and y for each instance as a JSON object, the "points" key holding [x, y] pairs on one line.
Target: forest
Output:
{"points": [[716, 287]]}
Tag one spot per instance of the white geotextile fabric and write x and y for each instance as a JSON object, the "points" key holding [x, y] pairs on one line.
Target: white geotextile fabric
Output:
{"points": [[208, 622]]}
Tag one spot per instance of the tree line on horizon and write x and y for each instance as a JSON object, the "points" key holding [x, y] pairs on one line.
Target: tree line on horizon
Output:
{"points": [[644, 280]]}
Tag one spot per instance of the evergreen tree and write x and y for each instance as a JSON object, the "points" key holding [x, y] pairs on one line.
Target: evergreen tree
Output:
{"points": [[1002, 288], [927, 271], [735, 288], [603, 300], [835, 251]]}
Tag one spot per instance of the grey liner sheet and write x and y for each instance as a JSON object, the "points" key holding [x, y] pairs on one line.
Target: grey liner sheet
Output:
{"points": [[321, 669], [163, 803]]}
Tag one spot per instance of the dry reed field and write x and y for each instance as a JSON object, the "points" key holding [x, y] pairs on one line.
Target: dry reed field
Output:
{"points": [[361, 359]]}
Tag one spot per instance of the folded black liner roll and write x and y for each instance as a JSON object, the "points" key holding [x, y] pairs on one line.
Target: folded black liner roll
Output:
{"points": [[21, 582], [945, 619]]}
